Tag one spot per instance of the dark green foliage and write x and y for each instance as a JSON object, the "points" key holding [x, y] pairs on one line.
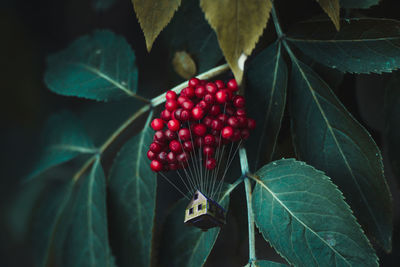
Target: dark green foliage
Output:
{"points": [[100, 66], [267, 81], [102, 5], [328, 137], [358, 3], [363, 45], [261, 263], [304, 216]]}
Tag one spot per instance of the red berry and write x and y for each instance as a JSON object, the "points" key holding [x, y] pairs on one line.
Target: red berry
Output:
{"points": [[203, 104], [232, 85], [236, 135], [171, 95], [234, 122], [170, 135], [185, 115], [242, 122], [251, 124], [209, 140], [230, 110], [183, 157], [229, 94], [151, 155], [223, 117], [176, 115], [184, 134], [210, 163], [156, 148], [189, 92], [175, 146], [194, 82], [217, 124], [215, 110], [239, 101], [166, 115], [220, 84], [173, 166], [159, 136], [245, 133], [187, 104], [209, 98], [182, 99], [171, 105], [171, 158], [199, 129], [157, 124], [199, 141], [221, 96], [174, 125], [208, 151], [211, 88], [162, 156], [200, 91], [207, 121], [227, 132], [197, 113], [241, 112], [156, 166], [188, 145]]}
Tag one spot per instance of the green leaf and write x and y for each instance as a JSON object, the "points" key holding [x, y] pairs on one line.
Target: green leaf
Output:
{"points": [[332, 8], [363, 45], [132, 186], [153, 16], [264, 263], [183, 245], [102, 5], [392, 119], [100, 66], [305, 218], [238, 24], [199, 39], [64, 139], [326, 136], [358, 3], [266, 93]]}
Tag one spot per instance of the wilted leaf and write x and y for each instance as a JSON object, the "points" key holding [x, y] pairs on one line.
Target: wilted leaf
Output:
{"points": [[304, 216], [238, 24], [266, 95], [263, 263], [362, 45], [193, 35], [358, 3], [184, 65], [65, 139], [329, 138], [153, 16], [332, 8], [133, 196], [99, 66], [185, 245]]}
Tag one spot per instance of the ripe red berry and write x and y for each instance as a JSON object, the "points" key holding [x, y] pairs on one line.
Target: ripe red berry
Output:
{"points": [[171, 95], [242, 122], [174, 125], [241, 112], [251, 124], [185, 115], [200, 91], [209, 140], [207, 121], [234, 122], [227, 132], [156, 166], [199, 129], [176, 115], [239, 101], [157, 124], [170, 135], [166, 115], [208, 151], [199, 142], [151, 155], [232, 85], [171, 105], [209, 98], [182, 99], [194, 82], [171, 158], [162, 156], [175, 146], [245, 133], [189, 92], [230, 111], [188, 145], [197, 113], [182, 157], [236, 135], [173, 166], [184, 134], [210, 163], [155, 147], [203, 104], [223, 117], [215, 110], [217, 124], [187, 104], [211, 88], [220, 84], [159, 136], [221, 96]]}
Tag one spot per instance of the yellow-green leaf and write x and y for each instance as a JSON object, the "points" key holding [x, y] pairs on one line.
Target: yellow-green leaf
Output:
{"points": [[153, 16], [332, 8], [184, 64], [238, 24]]}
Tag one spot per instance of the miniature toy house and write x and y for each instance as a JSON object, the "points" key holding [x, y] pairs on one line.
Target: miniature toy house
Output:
{"points": [[204, 213]]}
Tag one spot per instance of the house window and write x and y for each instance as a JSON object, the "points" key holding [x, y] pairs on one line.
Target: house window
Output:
{"points": [[190, 211], [200, 207], [196, 196]]}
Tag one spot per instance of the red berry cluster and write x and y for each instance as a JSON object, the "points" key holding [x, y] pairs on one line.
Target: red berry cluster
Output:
{"points": [[204, 116]]}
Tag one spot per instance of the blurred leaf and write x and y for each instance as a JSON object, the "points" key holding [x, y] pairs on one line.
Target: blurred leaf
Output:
{"points": [[132, 186], [329, 138], [304, 216], [238, 24], [358, 3], [363, 45], [183, 245], [86, 243], [392, 119], [153, 16], [102, 5], [264, 263], [65, 139], [266, 93], [184, 65], [193, 35], [100, 66], [332, 8]]}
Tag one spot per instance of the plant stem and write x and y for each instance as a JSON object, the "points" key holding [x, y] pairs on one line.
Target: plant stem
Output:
{"points": [[250, 215], [277, 25]]}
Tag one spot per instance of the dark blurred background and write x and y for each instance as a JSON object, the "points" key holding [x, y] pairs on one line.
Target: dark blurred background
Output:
{"points": [[32, 30]]}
